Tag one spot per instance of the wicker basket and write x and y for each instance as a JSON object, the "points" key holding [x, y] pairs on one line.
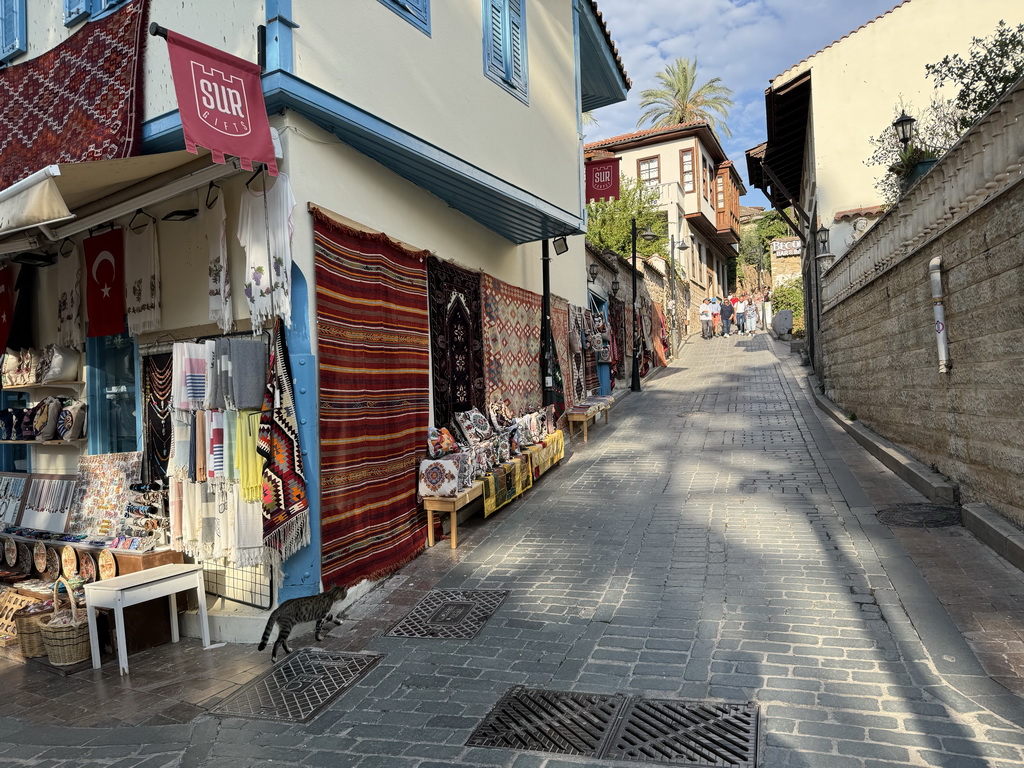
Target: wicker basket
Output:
{"points": [[30, 638], [69, 643]]}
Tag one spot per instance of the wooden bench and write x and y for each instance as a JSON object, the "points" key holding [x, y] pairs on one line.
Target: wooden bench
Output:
{"points": [[122, 592], [452, 505], [585, 419]]}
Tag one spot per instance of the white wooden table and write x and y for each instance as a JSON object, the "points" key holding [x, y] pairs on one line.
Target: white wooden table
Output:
{"points": [[125, 591]]}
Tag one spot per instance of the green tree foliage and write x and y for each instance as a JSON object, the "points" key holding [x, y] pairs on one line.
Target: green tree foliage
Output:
{"points": [[789, 295], [993, 64], [679, 99], [608, 222], [754, 241]]}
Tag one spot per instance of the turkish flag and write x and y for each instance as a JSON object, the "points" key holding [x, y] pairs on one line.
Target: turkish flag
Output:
{"points": [[104, 283], [6, 303]]}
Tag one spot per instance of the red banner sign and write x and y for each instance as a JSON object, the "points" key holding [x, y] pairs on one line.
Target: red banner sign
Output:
{"points": [[220, 99], [603, 179], [104, 282]]}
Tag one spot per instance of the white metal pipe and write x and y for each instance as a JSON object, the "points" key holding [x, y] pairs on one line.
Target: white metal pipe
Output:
{"points": [[935, 276]]}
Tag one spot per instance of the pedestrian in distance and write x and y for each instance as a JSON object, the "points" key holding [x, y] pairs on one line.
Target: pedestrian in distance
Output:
{"points": [[741, 316], [751, 317], [706, 323], [716, 316], [727, 315]]}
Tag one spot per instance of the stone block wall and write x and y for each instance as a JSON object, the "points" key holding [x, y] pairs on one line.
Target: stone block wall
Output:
{"points": [[879, 356]]}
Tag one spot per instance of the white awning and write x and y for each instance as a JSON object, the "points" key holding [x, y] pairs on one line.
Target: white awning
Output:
{"points": [[83, 195]]}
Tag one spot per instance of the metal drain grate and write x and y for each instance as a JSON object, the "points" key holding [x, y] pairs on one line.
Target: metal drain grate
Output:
{"points": [[661, 731], [298, 688], [687, 733], [920, 516], [549, 721], [450, 613]]}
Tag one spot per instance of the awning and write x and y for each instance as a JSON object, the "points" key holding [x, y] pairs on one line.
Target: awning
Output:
{"points": [[82, 195]]}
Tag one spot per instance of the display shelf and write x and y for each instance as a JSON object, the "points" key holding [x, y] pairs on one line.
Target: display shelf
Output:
{"points": [[75, 442], [48, 385]]}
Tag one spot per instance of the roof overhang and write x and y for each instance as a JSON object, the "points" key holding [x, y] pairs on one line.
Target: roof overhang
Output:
{"points": [[504, 208], [63, 199], [787, 110], [603, 81]]}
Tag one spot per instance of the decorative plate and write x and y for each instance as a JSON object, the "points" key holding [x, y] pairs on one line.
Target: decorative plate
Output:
{"points": [[24, 558], [52, 571], [86, 567], [108, 565], [68, 562], [10, 552], [39, 556]]}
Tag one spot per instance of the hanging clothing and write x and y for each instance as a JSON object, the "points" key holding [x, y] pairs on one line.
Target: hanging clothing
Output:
{"points": [[213, 226], [69, 299], [142, 279], [265, 232]]}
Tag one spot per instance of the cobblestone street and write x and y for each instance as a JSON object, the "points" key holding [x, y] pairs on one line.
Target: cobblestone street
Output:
{"points": [[717, 540]]}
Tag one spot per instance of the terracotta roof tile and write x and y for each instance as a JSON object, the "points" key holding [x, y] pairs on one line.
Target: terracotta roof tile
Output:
{"points": [[856, 213], [641, 134], [611, 43]]}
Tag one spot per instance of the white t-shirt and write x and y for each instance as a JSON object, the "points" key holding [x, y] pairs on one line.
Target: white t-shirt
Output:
{"points": [[705, 311], [741, 307]]}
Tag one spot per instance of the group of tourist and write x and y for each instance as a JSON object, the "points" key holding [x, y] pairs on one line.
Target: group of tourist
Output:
{"points": [[736, 314]]}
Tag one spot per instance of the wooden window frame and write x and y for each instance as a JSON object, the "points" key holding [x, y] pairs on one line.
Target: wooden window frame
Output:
{"points": [[682, 171], [657, 167]]}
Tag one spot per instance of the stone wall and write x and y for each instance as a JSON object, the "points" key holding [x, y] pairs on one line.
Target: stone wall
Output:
{"points": [[879, 355]]}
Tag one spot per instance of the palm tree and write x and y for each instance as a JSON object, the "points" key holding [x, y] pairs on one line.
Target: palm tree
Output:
{"points": [[681, 100]]}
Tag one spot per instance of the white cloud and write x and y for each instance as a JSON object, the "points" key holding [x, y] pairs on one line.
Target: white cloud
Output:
{"points": [[744, 42]]}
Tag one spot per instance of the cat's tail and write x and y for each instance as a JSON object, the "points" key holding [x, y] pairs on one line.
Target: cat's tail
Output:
{"points": [[267, 631]]}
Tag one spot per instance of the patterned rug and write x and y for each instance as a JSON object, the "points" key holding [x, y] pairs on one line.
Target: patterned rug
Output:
{"points": [[373, 336], [617, 321], [156, 394], [560, 332], [511, 324], [285, 503], [456, 340], [69, 104], [590, 355], [576, 366]]}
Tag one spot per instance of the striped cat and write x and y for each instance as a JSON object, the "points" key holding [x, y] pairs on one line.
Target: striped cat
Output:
{"points": [[298, 610]]}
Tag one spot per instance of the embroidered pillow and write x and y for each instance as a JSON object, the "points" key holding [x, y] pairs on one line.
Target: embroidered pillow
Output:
{"points": [[504, 452], [551, 421], [30, 359], [6, 424], [63, 364], [17, 417], [439, 477], [72, 420], [440, 442], [501, 415], [46, 419], [9, 370], [28, 429], [466, 467], [474, 425]]}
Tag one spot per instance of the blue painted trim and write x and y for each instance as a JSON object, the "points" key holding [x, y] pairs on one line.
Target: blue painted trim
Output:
{"points": [[13, 30], [604, 83], [140, 413], [280, 48], [75, 11], [499, 68], [302, 570], [416, 12], [582, 178]]}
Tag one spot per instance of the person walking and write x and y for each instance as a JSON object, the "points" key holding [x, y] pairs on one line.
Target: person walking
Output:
{"points": [[751, 317], [741, 316], [727, 315], [706, 322], [716, 316]]}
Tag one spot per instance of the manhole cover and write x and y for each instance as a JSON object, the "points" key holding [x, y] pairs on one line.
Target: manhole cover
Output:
{"points": [[450, 613], [920, 516], [299, 688], [660, 731]]}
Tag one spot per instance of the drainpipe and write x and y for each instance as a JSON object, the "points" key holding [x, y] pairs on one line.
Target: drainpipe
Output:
{"points": [[935, 274]]}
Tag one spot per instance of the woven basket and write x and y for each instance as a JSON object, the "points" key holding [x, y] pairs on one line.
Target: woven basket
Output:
{"points": [[69, 643], [29, 635]]}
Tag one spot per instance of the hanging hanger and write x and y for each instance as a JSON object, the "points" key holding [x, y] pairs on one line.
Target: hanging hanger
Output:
{"points": [[260, 168], [69, 243], [209, 191], [140, 212]]}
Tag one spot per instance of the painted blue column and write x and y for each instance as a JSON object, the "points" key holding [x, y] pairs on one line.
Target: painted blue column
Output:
{"points": [[302, 570], [279, 35]]}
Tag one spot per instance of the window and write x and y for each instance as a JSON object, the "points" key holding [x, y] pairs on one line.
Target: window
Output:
{"points": [[705, 177], [647, 171], [721, 193], [113, 394], [416, 12], [13, 30], [75, 11], [686, 163], [505, 45]]}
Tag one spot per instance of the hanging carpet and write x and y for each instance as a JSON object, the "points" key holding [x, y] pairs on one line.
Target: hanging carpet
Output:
{"points": [[71, 104], [593, 339], [560, 333], [156, 394], [373, 334], [617, 321], [456, 340], [660, 336], [511, 325], [579, 384]]}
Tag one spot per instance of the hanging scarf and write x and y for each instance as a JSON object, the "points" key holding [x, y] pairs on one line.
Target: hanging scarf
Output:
{"points": [[247, 459], [177, 533], [215, 445], [142, 279], [199, 446], [265, 232], [286, 507], [247, 373], [69, 299], [188, 385], [230, 447], [178, 463], [246, 526], [212, 223]]}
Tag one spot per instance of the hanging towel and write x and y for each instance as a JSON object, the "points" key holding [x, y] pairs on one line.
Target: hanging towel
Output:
{"points": [[218, 371], [215, 445], [248, 373], [181, 432], [188, 368], [265, 232], [199, 448], [174, 494], [247, 527], [230, 447], [247, 460], [142, 279], [69, 299], [285, 504], [212, 224]]}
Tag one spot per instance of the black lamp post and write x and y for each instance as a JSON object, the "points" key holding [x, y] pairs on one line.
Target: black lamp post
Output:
{"points": [[650, 237], [904, 127]]}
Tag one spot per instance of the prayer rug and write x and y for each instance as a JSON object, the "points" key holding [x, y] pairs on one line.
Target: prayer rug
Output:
{"points": [[157, 397], [70, 104], [456, 340], [560, 332], [285, 503], [374, 340], [511, 326], [579, 384], [617, 321]]}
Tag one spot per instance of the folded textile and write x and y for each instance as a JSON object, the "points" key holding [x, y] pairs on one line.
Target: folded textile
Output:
{"points": [[142, 278], [247, 373], [188, 371]]}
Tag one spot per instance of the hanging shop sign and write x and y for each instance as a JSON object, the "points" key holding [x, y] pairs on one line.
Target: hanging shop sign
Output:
{"points": [[603, 179], [104, 286], [220, 99]]}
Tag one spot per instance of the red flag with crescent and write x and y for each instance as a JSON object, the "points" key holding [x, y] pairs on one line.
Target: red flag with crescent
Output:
{"points": [[104, 281], [6, 303]]}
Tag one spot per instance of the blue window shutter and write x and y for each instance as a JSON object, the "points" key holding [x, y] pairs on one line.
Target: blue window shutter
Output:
{"points": [[75, 11], [494, 38], [13, 29], [516, 66], [505, 45], [416, 12]]}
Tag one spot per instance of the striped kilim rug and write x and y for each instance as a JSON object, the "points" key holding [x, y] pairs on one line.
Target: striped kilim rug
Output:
{"points": [[560, 331], [511, 344], [373, 339]]}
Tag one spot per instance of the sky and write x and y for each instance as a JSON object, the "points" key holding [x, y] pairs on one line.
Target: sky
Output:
{"points": [[744, 42]]}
